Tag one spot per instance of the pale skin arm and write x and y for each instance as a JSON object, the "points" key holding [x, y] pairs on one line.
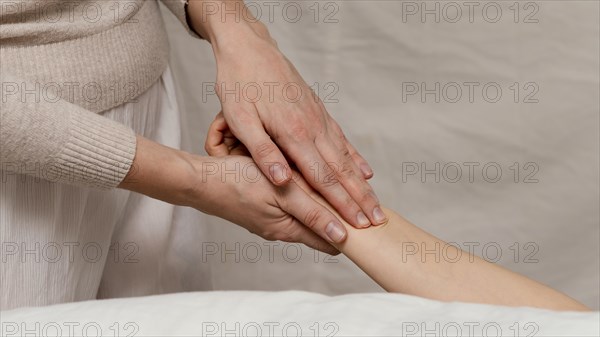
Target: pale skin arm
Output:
{"points": [[387, 254]]}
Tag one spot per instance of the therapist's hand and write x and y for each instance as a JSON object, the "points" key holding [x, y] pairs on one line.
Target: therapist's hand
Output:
{"points": [[294, 198], [233, 188], [274, 113]]}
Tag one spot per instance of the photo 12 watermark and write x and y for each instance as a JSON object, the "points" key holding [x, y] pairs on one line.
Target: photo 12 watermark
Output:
{"points": [[468, 329], [326, 12], [68, 252], [60, 171], [269, 329], [454, 252], [72, 91], [470, 92], [69, 329], [526, 12], [269, 92], [469, 172], [65, 12], [262, 252], [228, 171]]}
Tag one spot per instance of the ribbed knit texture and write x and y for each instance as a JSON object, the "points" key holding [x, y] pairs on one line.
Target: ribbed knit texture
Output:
{"points": [[61, 64]]}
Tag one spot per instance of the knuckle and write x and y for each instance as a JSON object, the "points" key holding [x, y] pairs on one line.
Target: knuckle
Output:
{"points": [[316, 116], [299, 132], [346, 171], [366, 197], [311, 219], [327, 176], [345, 153], [301, 126], [286, 234], [349, 203], [329, 181], [265, 149], [207, 148], [287, 230], [270, 235]]}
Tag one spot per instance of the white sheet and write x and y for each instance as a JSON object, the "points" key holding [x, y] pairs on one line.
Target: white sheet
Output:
{"points": [[290, 314]]}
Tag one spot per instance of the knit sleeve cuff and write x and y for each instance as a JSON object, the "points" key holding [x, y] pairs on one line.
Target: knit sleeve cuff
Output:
{"points": [[180, 9], [62, 142], [99, 152]]}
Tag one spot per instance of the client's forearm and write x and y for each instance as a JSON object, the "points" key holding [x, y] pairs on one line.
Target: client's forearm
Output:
{"points": [[391, 255]]}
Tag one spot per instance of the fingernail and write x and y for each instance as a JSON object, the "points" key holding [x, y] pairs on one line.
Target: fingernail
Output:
{"points": [[335, 232], [278, 173], [362, 220], [366, 170], [379, 216]]}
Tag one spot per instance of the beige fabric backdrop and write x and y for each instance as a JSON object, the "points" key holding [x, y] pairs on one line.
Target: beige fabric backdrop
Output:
{"points": [[368, 58]]}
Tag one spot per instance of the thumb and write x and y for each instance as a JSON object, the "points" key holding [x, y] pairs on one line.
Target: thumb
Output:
{"points": [[312, 214]]}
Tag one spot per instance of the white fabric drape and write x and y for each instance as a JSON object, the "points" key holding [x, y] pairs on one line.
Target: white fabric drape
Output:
{"points": [[63, 243]]}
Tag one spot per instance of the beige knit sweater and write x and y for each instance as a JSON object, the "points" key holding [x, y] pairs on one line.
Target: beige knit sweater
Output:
{"points": [[61, 63]]}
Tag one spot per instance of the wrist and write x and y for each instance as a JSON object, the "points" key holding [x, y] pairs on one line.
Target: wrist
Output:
{"points": [[226, 23], [205, 190], [160, 172]]}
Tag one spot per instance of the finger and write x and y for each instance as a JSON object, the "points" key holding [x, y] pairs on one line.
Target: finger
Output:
{"points": [[321, 176], [350, 177], [219, 134], [360, 162], [311, 214], [247, 127], [215, 139]]}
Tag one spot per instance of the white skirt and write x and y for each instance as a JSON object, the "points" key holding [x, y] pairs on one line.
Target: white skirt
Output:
{"points": [[63, 243]]}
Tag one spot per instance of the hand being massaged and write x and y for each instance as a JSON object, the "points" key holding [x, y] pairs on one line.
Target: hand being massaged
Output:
{"points": [[287, 213], [230, 185]]}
